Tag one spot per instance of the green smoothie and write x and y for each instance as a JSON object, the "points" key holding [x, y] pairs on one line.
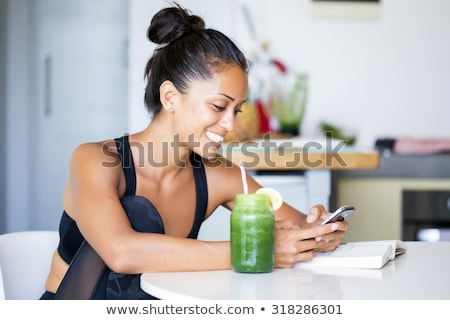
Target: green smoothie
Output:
{"points": [[252, 234]]}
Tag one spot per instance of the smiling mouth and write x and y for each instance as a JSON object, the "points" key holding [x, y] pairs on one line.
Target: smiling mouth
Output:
{"points": [[214, 137]]}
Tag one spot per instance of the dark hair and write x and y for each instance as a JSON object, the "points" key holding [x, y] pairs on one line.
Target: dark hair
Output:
{"points": [[186, 51]]}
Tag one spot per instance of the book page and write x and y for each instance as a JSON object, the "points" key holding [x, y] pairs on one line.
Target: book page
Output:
{"points": [[398, 246], [353, 255]]}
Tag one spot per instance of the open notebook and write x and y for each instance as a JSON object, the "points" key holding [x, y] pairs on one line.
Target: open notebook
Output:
{"points": [[357, 255]]}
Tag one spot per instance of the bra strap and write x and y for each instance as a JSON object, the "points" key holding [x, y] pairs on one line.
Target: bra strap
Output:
{"points": [[126, 158], [201, 188]]}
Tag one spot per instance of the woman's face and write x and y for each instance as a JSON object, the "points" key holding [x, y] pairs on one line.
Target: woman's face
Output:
{"points": [[208, 110]]}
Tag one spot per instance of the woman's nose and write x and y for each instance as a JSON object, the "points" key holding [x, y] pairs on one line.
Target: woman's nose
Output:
{"points": [[228, 120]]}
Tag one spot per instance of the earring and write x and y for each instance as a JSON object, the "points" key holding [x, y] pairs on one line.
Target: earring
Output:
{"points": [[171, 110]]}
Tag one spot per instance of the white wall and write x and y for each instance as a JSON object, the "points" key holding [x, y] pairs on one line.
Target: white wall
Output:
{"points": [[379, 77]]}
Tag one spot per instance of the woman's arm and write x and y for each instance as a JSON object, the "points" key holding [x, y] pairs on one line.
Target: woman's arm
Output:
{"points": [[96, 187]]}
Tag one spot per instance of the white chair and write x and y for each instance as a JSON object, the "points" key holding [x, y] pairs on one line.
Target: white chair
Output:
{"points": [[25, 259], [2, 288]]}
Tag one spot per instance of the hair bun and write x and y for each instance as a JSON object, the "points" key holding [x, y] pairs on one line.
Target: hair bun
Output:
{"points": [[171, 23]]}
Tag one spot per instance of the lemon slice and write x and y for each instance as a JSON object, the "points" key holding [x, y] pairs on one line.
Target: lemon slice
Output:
{"points": [[275, 197]]}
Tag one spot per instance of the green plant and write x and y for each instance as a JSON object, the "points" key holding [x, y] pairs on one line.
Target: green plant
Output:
{"points": [[335, 132]]}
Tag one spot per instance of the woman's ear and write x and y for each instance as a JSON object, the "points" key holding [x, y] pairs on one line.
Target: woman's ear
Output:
{"points": [[167, 93]]}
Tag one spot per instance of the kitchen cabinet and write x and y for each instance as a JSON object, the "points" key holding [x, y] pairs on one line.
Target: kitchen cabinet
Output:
{"points": [[379, 204], [377, 194]]}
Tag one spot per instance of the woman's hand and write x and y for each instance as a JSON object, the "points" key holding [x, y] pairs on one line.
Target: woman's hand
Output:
{"points": [[329, 241], [294, 243], [325, 242]]}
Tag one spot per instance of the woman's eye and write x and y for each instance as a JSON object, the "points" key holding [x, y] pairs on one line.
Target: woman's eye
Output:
{"points": [[219, 108], [222, 109]]}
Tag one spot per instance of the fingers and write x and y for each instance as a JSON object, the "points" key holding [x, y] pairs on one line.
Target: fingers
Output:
{"points": [[292, 245], [292, 242], [326, 246], [318, 231], [294, 237], [286, 224], [289, 245], [315, 213], [339, 228]]}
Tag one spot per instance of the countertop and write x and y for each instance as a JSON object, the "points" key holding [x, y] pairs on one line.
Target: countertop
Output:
{"points": [[393, 165], [300, 154]]}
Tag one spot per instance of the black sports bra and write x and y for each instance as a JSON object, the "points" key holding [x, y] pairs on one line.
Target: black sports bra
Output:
{"points": [[143, 216]]}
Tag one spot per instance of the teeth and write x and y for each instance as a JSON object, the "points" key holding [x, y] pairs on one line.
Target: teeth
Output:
{"points": [[214, 137]]}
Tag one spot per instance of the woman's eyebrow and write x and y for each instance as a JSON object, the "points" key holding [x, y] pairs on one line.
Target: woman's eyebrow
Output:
{"points": [[225, 95]]}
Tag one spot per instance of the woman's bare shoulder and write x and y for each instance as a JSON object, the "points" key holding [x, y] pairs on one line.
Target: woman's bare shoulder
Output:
{"points": [[96, 161], [94, 169], [104, 151]]}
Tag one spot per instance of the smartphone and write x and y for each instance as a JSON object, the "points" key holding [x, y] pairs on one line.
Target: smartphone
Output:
{"points": [[339, 214]]}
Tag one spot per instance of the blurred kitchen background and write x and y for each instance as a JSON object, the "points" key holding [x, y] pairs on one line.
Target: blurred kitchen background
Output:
{"points": [[72, 71]]}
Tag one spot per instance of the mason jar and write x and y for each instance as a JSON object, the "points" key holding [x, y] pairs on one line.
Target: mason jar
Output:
{"points": [[252, 234]]}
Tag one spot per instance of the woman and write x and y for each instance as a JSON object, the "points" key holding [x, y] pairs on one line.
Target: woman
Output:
{"points": [[196, 86]]}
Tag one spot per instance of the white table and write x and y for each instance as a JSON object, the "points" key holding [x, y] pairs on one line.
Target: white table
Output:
{"points": [[421, 273]]}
